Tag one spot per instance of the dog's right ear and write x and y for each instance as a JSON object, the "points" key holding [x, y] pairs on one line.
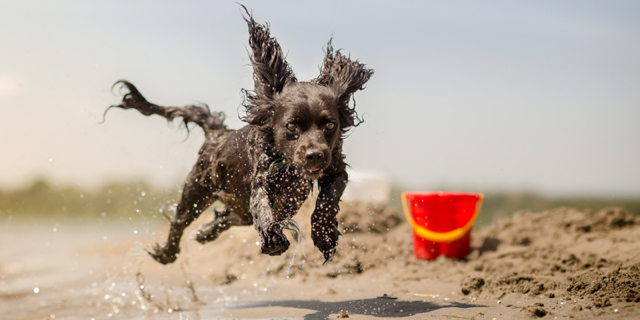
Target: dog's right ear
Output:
{"points": [[271, 73]]}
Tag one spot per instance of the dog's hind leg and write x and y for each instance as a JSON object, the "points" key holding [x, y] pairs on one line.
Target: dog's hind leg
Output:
{"points": [[198, 194], [224, 220], [210, 231]]}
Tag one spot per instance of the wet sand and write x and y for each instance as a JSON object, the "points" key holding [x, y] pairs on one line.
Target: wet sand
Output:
{"points": [[556, 264]]}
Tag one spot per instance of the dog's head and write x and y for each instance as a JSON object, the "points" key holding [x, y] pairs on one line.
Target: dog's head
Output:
{"points": [[307, 119]]}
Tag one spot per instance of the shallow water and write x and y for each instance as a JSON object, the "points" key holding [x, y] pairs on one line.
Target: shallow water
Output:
{"points": [[79, 270]]}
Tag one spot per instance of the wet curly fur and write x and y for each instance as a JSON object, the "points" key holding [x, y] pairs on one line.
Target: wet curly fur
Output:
{"points": [[263, 172]]}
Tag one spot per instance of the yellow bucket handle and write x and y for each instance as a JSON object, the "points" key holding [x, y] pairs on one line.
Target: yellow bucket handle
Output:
{"points": [[448, 236]]}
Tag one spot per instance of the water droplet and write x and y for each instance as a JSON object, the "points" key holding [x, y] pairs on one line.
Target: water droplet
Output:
{"points": [[36, 290], [135, 231]]}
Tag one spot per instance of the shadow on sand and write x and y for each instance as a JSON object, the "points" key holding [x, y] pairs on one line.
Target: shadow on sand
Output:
{"points": [[383, 308]]}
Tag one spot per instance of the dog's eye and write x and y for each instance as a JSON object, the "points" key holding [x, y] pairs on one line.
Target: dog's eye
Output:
{"points": [[330, 125], [291, 126]]}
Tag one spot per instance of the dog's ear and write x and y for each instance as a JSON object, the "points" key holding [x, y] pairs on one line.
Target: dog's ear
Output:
{"points": [[271, 73], [345, 77]]}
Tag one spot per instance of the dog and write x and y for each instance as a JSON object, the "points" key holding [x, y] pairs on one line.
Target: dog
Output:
{"points": [[263, 172]]}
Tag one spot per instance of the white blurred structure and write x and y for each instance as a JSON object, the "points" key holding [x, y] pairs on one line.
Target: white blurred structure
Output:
{"points": [[367, 186]]}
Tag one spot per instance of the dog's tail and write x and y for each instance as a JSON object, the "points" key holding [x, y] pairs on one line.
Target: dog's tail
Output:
{"points": [[211, 123]]}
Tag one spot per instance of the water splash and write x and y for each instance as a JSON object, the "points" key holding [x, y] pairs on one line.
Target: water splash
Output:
{"points": [[294, 228], [293, 257]]}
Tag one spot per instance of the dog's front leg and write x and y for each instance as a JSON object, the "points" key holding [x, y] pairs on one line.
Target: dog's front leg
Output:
{"points": [[324, 225], [274, 242]]}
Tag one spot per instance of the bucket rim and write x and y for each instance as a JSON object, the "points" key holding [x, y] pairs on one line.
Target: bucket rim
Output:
{"points": [[448, 236], [442, 193]]}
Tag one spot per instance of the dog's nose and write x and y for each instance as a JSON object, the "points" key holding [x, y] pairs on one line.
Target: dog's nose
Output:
{"points": [[314, 156]]}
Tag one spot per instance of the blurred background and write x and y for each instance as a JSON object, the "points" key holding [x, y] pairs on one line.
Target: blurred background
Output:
{"points": [[536, 104]]}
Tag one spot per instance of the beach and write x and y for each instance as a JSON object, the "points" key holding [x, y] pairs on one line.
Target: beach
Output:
{"points": [[562, 263]]}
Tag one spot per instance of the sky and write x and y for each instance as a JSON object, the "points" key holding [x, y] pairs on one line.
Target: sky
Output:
{"points": [[538, 96]]}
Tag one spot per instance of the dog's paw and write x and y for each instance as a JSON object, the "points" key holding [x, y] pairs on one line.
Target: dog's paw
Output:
{"points": [[327, 247], [201, 236], [161, 254], [274, 242], [328, 255], [209, 232], [326, 243]]}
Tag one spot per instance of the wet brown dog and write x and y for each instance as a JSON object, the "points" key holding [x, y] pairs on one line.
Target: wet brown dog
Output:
{"points": [[263, 172]]}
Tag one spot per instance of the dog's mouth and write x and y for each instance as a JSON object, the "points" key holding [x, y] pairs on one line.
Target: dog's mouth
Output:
{"points": [[312, 173]]}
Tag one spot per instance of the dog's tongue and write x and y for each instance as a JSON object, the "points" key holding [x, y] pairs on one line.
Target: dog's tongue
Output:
{"points": [[313, 169]]}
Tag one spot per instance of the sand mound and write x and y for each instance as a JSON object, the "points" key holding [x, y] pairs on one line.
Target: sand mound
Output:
{"points": [[562, 253], [621, 283]]}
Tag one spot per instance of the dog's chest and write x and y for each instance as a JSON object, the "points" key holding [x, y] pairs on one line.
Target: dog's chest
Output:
{"points": [[287, 191]]}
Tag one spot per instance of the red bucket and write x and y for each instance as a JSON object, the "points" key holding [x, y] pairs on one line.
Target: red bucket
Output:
{"points": [[441, 222]]}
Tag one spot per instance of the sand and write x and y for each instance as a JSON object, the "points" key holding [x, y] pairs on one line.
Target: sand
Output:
{"points": [[562, 263]]}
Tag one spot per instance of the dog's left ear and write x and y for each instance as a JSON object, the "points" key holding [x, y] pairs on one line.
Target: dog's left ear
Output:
{"points": [[345, 77], [271, 73]]}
